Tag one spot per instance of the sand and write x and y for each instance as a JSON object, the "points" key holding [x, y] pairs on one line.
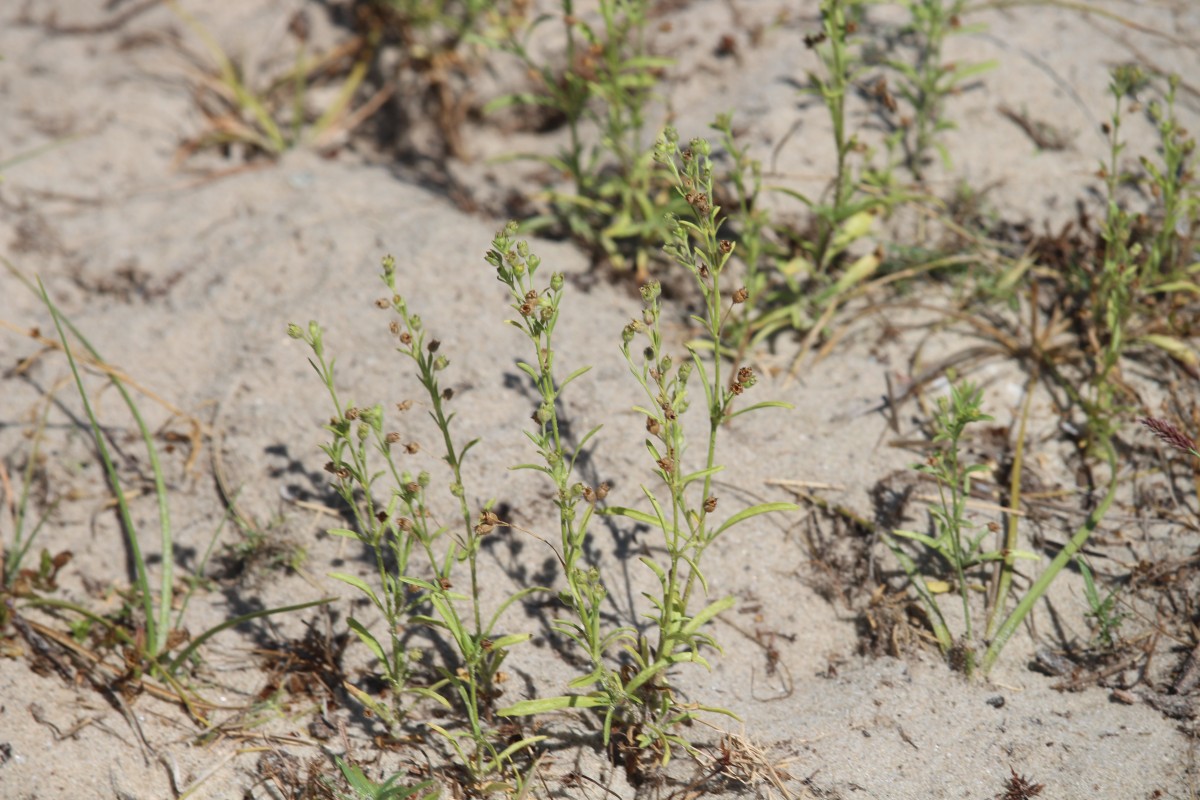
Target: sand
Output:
{"points": [[185, 273]]}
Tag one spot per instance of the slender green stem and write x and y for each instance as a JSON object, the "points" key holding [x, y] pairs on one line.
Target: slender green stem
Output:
{"points": [[1014, 502], [156, 628], [1039, 587]]}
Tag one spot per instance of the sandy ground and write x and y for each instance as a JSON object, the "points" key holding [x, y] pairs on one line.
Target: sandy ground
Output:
{"points": [[185, 277]]}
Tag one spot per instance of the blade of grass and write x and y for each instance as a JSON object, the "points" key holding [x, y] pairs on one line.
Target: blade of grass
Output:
{"points": [[238, 620], [156, 629], [1039, 587], [1014, 501], [12, 564]]}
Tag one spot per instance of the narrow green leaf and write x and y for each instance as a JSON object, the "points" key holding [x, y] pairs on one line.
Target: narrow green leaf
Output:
{"points": [[361, 585], [238, 620], [543, 705], [700, 475], [368, 639], [710, 611], [631, 513], [508, 641], [573, 376], [757, 406], [754, 511]]}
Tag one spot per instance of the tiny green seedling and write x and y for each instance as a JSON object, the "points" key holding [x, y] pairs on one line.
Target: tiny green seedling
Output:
{"points": [[1101, 610]]}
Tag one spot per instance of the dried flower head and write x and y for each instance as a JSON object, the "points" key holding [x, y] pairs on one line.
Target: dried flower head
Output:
{"points": [[1020, 788], [1170, 435], [488, 522]]}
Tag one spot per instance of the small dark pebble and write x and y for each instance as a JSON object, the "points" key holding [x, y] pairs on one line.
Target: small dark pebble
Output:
{"points": [[996, 702]]}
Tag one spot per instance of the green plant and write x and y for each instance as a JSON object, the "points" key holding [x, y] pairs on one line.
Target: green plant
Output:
{"points": [[1112, 287], [845, 214], [1102, 611], [637, 698], [153, 641], [807, 284], [617, 200], [394, 528], [952, 540], [363, 788], [1136, 291], [925, 84], [963, 552], [15, 579], [539, 312], [639, 701], [1172, 184]]}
